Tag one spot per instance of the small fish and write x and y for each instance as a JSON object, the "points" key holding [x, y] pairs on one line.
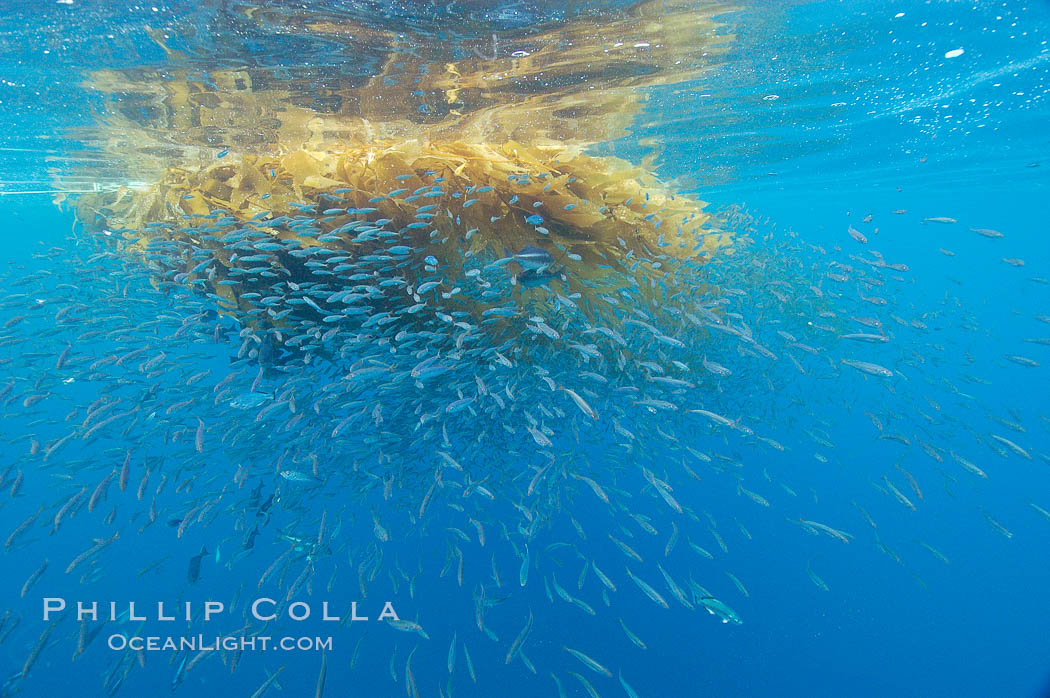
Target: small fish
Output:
{"points": [[199, 437], [194, 571], [996, 525], [322, 675], [869, 368], [717, 608], [631, 693], [816, 580], [967, 465], [249, 401], [857, 235], [1012, 446], [515, 647], [581, 403], [648, 590], [1040, 509], [586, 685], [987, 232], [631, 636], [298, 476], [936, 553], [270, 681], [408, 626], [738, 583], [530, 258], [33, 579], [589, 662]]}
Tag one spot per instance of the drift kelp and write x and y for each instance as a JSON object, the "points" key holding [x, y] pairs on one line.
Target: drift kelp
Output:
{"points": [[601, 226], [446, 153]]}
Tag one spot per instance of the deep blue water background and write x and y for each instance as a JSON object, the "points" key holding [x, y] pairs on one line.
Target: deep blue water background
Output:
{"points": [[980, 627]]}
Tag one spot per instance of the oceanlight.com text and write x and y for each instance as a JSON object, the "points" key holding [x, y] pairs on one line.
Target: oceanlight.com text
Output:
{"points": [[229, 643]]}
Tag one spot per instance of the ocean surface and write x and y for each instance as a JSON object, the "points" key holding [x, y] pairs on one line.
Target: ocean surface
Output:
{"points": [[590, 349]]}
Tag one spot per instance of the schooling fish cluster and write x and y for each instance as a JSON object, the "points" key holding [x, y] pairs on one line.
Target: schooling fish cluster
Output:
{"points": [[382, 422]]}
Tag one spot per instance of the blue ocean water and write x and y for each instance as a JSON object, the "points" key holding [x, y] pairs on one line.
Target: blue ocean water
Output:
{"points": [[816, 116]]}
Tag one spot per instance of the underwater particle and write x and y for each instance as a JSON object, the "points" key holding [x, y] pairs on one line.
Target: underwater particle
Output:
{"points": [[954, 53]]}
